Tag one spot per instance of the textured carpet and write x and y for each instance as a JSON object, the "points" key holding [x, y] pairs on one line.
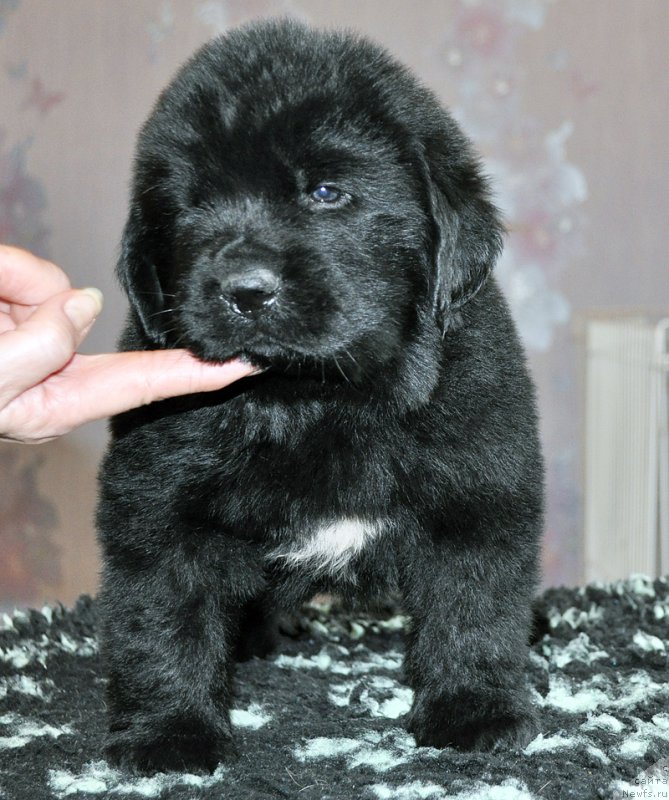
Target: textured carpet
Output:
{"points": [[322, 718]]}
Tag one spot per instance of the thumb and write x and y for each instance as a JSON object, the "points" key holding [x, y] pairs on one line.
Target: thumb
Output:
{"points": [[82, 309], [46, 341]]}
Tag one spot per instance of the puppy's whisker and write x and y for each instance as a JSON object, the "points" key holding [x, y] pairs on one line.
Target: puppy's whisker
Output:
{"points": [[179, 338], [356, 364], [151, 188], [156, 294], [348, 353], [343, 374]]}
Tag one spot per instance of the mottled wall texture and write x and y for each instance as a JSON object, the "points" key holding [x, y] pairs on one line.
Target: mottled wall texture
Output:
{"points": [[566, 99]]}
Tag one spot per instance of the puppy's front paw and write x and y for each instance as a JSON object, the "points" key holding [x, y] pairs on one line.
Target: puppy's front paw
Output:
{"points": [[472, 722], [175, 745]]}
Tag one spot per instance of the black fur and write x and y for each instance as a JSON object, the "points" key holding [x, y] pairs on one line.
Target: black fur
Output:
{"points": [[395, 394]]}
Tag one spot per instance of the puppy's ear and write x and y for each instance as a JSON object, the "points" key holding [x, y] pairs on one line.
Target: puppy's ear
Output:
{"points": [[468, 230], [138, 275]]}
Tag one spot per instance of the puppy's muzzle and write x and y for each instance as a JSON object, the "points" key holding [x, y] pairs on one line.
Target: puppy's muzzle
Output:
{"points": [[251, 291]]}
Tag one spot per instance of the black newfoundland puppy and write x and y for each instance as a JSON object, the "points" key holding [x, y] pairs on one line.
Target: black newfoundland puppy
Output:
{"points": [[301, 201]]}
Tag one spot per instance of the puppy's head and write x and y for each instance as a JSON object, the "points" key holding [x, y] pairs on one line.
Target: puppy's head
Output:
{"points": [[300, 198]]}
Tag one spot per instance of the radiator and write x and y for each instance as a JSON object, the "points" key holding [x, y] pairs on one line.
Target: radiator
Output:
{"points": [[626, 448]]}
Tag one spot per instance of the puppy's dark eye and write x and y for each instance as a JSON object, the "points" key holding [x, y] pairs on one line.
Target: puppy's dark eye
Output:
{"points": [[327, 194]]}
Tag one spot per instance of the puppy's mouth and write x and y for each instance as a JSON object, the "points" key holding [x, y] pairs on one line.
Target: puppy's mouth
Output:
{"points": [[250, 331], [289, 364]]}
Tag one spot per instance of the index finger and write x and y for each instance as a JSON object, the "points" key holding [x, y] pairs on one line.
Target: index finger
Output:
{"points": [[27, 279]]}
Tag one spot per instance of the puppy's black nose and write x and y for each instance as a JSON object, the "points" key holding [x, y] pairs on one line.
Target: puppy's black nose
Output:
{"points": [[252, 291]]}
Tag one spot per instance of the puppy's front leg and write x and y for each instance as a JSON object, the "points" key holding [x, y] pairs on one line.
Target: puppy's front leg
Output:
{"points": [[467, 649], [169, 636]]}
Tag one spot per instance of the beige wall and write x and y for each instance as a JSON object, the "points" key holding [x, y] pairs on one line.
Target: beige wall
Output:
{"points": [[567, 99]]}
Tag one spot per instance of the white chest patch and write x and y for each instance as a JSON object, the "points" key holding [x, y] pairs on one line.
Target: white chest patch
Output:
{"points": [[332, 545]]}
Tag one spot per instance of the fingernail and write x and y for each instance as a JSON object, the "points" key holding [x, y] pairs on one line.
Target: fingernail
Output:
{"points": [[84, 307], [257, 370], [96, 294]]}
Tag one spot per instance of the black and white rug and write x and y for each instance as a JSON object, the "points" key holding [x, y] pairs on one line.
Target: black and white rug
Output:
{"points": [[322, 718]]}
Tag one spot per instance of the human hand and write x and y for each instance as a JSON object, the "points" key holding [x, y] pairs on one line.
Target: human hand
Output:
{"points": [[46, 387]]}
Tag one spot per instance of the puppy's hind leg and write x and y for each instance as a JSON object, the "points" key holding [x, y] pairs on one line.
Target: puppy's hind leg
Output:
{"points": [[258, 630]]}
